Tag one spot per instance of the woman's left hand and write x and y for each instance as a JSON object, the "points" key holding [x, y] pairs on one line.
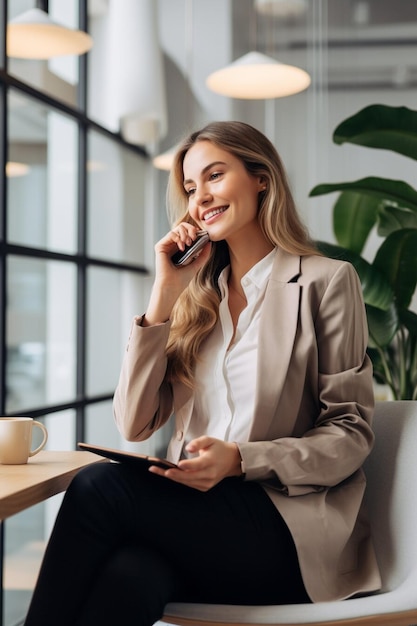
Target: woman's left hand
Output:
{"points": [[216, 460]]}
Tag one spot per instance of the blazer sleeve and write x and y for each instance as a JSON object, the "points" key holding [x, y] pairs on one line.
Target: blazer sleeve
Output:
{"points": [[340, 438], [143, 399]]}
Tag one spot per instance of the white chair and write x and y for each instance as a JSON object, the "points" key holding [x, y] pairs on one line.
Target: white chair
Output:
{"points": [[391, 470]]}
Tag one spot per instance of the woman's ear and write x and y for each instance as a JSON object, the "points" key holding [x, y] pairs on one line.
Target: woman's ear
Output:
{"points": [[262, 184]]}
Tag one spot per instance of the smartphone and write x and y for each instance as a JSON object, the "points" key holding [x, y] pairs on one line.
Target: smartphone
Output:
{"points": [[184, 257]]}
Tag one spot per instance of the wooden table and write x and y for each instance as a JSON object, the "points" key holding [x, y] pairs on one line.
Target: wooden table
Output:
{"points": [[22, 486], [45, 475]]}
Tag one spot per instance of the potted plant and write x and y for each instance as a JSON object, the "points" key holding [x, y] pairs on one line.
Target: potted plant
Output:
{"points": [[390, 207]]}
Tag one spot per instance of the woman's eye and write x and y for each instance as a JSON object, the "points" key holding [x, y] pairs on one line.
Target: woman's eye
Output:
{"points": [[189, 192], [215, 175]]}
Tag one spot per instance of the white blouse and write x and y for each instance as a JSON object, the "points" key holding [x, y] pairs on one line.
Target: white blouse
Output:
{"points": [[226, 372]]}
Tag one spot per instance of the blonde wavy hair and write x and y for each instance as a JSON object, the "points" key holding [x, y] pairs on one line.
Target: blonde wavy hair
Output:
{"points": [[196, 310]]}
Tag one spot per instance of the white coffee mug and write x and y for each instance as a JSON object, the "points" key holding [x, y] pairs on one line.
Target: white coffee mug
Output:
{"points": [[16, 439]]}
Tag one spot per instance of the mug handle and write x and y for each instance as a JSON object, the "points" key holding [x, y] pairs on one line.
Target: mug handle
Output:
{"points": [[45, 438]]}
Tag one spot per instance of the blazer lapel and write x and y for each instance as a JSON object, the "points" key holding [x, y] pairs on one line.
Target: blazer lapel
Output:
{"points": [[278, 326]]}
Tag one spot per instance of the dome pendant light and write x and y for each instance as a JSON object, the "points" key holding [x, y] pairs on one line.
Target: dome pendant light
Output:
{"points": [[257, 76], [165, 160], [281, 8], [33, 35]]}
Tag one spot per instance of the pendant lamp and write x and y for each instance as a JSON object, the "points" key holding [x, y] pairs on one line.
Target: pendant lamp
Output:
{"points": [[256, 76], [33, 35], [164, 160], [14, 169], [281, 8]]}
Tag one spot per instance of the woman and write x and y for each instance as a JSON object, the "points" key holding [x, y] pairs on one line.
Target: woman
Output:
{"points": [[259, 348]]}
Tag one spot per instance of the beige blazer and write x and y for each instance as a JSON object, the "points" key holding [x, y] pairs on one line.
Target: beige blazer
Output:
{"points": [[311, 430]]}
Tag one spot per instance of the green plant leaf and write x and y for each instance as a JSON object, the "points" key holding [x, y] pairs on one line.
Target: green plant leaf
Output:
{"points": [[382, 325], [392, 218], [376, 288], [354, 216], [381, 126], [378, 366], [409, 320], [396, 191], [397, 260]]}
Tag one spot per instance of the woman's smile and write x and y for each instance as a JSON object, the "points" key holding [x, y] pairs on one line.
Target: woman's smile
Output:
{"points": [[208, 216]]}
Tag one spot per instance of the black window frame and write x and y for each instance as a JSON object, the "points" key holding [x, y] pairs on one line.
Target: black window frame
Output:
{"points": [[80, 259]]}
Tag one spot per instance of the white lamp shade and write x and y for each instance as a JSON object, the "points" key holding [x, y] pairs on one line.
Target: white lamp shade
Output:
{"points": [[134, 98], [165, 160], [140, 129], [14, 169], [257, 76], [281, 8], [33, 35]]}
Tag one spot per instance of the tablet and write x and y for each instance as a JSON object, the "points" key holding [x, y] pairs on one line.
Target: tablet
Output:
{"points": [[121, 456]]}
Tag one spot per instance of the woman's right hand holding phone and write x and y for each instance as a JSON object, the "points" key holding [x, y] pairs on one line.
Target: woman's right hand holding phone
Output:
{"points": [[170, 281]]}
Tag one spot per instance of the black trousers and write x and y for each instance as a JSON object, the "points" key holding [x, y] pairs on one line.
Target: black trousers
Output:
{"points": [[126, 542]]}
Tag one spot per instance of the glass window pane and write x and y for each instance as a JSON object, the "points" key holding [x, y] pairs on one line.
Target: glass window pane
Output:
{"points": [[116, 201], [42, 176], [41, 333], [100, 426], [24, 548], [65, 67], [113, 299], [16, 7], [58, 77], [101, 430]]}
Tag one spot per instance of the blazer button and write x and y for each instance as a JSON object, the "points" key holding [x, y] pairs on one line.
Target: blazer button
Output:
{"points": [[180, 435]]}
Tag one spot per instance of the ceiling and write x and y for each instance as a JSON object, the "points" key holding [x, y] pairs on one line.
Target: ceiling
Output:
{"points": [[365, 43], [362, 42]]}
